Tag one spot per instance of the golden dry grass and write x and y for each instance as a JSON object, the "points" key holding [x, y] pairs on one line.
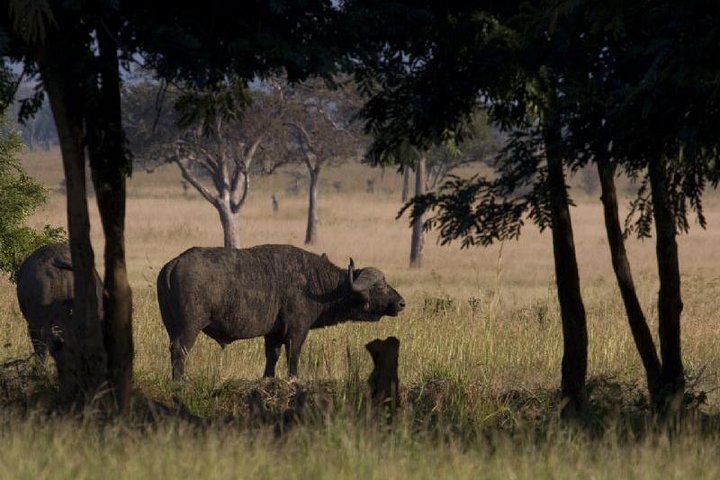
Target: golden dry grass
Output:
{"points": [[499, 341]]}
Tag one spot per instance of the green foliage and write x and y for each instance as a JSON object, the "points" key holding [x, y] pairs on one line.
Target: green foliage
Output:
{"points": [[631, 82], [20, 196]]}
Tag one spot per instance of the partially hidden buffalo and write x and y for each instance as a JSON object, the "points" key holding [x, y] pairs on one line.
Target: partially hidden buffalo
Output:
{"points": [[279, 292], [45, 294]]}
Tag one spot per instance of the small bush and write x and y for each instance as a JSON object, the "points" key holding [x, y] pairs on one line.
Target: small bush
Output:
{"points": [[20, 196]]}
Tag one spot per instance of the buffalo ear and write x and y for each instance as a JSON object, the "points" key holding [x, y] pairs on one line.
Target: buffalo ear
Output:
{"points": [[325, 257], [366, 279]]}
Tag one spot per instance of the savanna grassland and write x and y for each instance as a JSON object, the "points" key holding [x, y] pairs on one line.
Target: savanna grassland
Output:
{"points": [[479, 361]]}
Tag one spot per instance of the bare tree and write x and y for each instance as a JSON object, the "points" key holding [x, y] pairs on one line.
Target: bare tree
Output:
{"points": [[319, 122], [218, 152], [432, 166]]}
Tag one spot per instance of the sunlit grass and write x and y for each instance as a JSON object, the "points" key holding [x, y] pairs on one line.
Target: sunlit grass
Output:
{"points": [[480, 356]]}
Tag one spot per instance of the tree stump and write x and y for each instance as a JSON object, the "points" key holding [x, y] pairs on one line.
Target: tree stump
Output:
{"points": [[275, 203], [383, 382]]}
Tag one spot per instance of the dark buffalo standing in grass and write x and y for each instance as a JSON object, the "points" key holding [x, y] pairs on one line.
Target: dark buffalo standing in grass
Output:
{"points": [[45, 294], [279, 292]]}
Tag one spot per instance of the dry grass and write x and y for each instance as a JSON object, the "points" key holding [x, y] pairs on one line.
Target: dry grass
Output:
{"points": [[480, 369]]}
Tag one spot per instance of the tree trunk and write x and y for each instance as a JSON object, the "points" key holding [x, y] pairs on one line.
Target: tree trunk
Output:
{"points": [[229, 221], [418, 238], [109, 167], [621, 265], [669, 298], [572, 310], [405, 184], [83, 369], [311, 231]]}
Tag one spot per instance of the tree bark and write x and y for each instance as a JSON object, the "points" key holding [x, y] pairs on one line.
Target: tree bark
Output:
{"points": [[418, 238], [405, 184], [83, 370], [572, 310], [229, 221], [110, 165], [311, 231], [669, 298], [623, 274]]}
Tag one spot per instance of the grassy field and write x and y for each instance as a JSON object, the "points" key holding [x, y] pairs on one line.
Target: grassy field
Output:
{"points": [[479, 360]]}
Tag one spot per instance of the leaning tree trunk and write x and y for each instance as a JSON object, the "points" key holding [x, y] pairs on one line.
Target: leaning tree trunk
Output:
{"points": [[82, 372], [669, 298], [230, 224], [405, 184], [311, 231], [572, 310], [418, 239], [110, 166], [621, 265]]}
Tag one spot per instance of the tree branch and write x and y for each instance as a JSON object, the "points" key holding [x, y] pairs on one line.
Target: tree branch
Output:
{"points": [[194, 181], [304, 142], [235, 205]]}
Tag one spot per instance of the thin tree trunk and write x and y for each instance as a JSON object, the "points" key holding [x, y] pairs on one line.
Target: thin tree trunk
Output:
{"points": [[229, 221], [406, 184], [572, 310], [418, 238], [83, 369], [621, 265], [669, 298], [311, 231], [109, 167]]}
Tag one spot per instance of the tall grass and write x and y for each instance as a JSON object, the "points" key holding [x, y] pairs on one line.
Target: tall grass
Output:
{"points": [[479, 361]]}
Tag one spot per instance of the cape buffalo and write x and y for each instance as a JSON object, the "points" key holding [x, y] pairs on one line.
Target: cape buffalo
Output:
{"points": [[45, 294], [279, 292]]}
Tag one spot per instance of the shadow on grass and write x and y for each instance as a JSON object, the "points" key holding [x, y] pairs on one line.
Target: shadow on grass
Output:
{"points": [[445, 409]]}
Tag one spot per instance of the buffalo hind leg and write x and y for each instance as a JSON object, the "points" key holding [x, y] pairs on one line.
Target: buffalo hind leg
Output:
{"points": [[293, 345], [272, 353], [39, 341], [179, 350]]}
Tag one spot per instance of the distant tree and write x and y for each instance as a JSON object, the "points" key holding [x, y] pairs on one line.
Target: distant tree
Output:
{"points": [[480, 145], [320, 122], [218, 138], [433, 165], [20, 196], [38, 131]]}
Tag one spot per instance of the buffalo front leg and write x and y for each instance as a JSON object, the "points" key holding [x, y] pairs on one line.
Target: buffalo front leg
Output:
{"points": [[179, 350], [272, 353], [293, 345]]}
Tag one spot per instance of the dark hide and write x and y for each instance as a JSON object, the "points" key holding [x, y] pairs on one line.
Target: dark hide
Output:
{"points": [[278, 292], [45, 295]]}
